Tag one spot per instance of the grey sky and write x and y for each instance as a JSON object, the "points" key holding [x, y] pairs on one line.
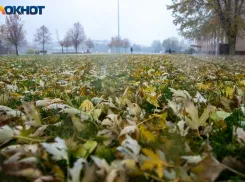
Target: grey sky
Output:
{"points": [[142, 21]]}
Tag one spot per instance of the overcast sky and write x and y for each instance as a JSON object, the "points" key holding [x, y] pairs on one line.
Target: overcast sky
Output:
{"points": [[142, 21]]}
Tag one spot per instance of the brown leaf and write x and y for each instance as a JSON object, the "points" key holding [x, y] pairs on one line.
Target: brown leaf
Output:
{"points": [[234, 163], [208, 169]]}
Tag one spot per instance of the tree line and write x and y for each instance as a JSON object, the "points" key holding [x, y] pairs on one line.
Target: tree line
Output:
{"points": [[171, 43], [13, 33], [118, 42]]}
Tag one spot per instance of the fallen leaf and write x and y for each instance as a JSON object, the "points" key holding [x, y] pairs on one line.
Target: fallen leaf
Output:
{"points": [[32, 113], [10, 112], [86, 149], [58, 149], [76, 170], [86, 106], [240, 134], [78, 123], [208, 169], [199, 98], [193, 119], [147, 135], [153, 163], [6, 134], [192, 159], [132, 131]]}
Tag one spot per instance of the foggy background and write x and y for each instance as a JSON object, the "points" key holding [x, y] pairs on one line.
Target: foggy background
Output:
{"points": [[142, 21]]}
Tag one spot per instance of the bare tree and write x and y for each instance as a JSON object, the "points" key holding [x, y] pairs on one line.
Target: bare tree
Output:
{"points": [[1, 32], [89, 44], [42, 36], [61, 42], [67, 41], [157, 46], [12, 32], [126, 44], [77, 35], [113, 43]]}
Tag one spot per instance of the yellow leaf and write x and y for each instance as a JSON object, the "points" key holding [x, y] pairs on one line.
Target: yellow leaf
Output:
{"points": [[86, 149], [131, 167], [152, 99], [151, 154], [206, 86], [87, 106], [229, 92], [242, 82], [150, 89], [146, 134], [32, 113], [16, 95], [153, 163], [78, 123], [96, 113], [161, 119], [193, 120], [57, 171]]}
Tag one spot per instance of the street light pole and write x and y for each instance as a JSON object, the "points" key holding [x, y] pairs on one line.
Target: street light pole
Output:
{"points": [[118, 35]]}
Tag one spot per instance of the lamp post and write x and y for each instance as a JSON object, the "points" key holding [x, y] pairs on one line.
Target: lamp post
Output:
{"points": [[118, 34]]}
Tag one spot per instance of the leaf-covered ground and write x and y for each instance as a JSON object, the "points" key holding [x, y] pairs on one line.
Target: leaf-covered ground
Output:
{"points": [[122, 118]]}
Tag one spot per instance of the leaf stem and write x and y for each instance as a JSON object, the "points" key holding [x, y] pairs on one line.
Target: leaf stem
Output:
{"points": [[234, 171], [153, 177], [30, 139], [198, 134], [145, 121], [95, 107]]}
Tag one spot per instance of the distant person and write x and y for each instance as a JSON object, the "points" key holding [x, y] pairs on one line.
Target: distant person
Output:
{"points": [[131, 49], [170, 51]]}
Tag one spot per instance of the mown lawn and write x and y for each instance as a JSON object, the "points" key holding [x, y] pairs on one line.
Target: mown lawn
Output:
{"points": [[110, 118]]}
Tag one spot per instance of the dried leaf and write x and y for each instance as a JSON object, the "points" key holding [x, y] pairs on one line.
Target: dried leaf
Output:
{"points": [[154, 163], [32, 113], [76, 170], [192, 159], [86, 149], [240, 133], [147, 135], [193, 119], [78, 124], [10, 112], [208, 169], [86, 106], [57, 149], [6, 134]]}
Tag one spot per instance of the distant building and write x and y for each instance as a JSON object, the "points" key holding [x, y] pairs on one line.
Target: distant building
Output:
{"points": [[103, 42], [217, 45]]}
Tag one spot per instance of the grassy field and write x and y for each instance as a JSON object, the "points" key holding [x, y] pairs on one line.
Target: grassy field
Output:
{"points": [[110, 118]]}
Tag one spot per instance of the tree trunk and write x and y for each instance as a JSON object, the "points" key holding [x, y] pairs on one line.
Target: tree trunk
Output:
{"points": [[76, 49], [16, 50], [43, 48], [232, 45], [125, 49], [62, 49]]}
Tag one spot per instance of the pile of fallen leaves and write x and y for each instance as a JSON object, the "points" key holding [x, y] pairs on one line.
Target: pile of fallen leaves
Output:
{"points": [[122, 118]]}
